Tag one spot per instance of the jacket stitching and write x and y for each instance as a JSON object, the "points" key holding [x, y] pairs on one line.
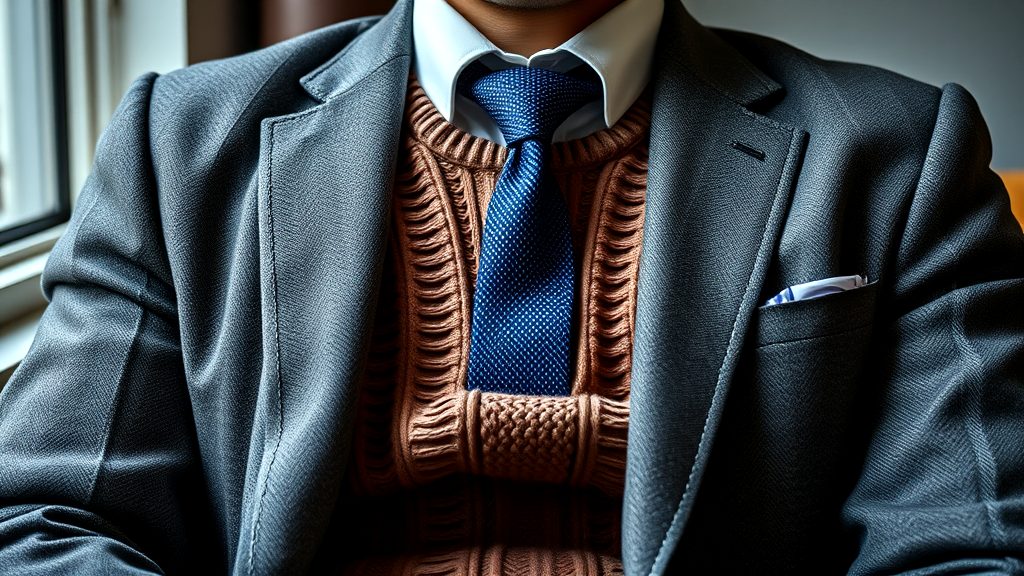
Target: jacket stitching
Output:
{"points": [[984, 461], [717, 397], [360, 24], [118, 394], [845, 331], [974, 427], [333, 95], [908, 204], [132, 347], [277, 352], [272, 126], [252, 99]]}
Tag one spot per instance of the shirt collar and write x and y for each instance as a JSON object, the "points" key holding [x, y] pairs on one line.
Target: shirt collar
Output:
{"points": [[445, 43]]}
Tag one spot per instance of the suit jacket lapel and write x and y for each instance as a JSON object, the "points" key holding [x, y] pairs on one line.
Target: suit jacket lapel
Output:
{"points": [[719, 182], [324, 195]]}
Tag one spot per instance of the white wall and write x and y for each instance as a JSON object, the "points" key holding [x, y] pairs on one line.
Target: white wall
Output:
{"points": [[109, 44], [155, 29], [152, 37]]}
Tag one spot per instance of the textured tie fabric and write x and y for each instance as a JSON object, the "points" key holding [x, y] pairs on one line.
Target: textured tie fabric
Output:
{"points": [[523, 300]]}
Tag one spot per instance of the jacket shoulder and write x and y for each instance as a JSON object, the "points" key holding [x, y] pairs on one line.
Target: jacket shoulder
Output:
{"points": [[200, 105], [865, 102]]}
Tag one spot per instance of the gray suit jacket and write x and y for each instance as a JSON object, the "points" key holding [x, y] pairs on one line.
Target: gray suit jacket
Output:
{"points": [[187, 403]]}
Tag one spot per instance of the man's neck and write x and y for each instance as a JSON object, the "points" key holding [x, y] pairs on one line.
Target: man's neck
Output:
{"points": [[528, 31]]}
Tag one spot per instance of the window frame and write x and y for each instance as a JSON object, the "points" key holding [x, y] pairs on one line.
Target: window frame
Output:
{"points": [[91, 74], [58, 81], [24, 248]]}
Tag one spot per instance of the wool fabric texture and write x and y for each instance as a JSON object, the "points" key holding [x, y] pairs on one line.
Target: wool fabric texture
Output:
{"points": [[522, 307], [444, 480]]}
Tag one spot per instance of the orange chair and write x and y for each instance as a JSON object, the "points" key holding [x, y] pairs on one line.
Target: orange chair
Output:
{"points": [[1015, 185]]}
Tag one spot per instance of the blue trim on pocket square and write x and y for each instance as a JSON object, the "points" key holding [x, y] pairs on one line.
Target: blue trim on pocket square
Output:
{"points": [[817, 289]]}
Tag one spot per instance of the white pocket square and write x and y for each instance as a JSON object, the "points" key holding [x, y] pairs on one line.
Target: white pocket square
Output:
{"points": [[817, 288]]}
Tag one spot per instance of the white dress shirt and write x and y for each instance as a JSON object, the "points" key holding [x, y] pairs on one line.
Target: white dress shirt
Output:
{"points": [[619, 47]]}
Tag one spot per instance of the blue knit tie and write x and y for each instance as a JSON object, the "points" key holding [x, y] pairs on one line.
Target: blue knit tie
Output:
{"points": [[523, 300]]}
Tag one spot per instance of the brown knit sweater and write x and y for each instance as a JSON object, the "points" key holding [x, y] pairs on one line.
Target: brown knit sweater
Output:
{"points": [[446, 481]]}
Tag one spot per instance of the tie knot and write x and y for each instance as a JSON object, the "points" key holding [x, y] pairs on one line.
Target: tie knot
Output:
{"points": [[529, 102]]}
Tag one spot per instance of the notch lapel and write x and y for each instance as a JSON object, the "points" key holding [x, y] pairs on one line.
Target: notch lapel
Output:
{"points": [[325, 181], [714, 210]]}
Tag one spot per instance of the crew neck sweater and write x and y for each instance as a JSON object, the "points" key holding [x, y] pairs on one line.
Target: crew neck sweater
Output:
{"points": [[448, 481]]}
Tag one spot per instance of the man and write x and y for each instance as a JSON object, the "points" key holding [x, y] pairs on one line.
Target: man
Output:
{"points": [[257, 239]]}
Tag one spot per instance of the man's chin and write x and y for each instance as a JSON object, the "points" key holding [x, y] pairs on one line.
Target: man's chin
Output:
{"points": [[530, 4]]}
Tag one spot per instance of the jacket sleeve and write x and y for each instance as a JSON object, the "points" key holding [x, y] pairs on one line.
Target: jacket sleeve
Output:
{"points": [[942, 487], [98, 466]]}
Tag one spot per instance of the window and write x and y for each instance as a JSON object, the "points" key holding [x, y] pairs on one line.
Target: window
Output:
{"points": [[64, 65], [34, 191]]}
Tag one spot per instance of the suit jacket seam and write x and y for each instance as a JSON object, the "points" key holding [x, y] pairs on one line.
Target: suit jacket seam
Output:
{"points": [[118, 393], [96, 197], [971, 423], [248, 105], [74, 237], [842, 332], [985, 463], [908, 205], [138, 303], [354, 23], [362, 78], [778, 208], [261, 503]]}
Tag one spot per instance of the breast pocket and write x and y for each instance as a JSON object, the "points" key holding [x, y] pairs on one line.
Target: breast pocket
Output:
{"points": [[798, 407], [806, 374], [839, 313]]}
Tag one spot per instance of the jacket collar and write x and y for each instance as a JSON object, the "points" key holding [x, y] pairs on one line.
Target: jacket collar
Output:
{"points": [[697, 50], [384, 41]]}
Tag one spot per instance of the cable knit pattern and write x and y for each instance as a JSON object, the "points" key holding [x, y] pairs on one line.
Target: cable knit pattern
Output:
{"points": [[450, 481]]}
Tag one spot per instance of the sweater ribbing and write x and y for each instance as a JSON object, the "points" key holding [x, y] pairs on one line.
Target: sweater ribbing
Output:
{"points": [[448, 480]]}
